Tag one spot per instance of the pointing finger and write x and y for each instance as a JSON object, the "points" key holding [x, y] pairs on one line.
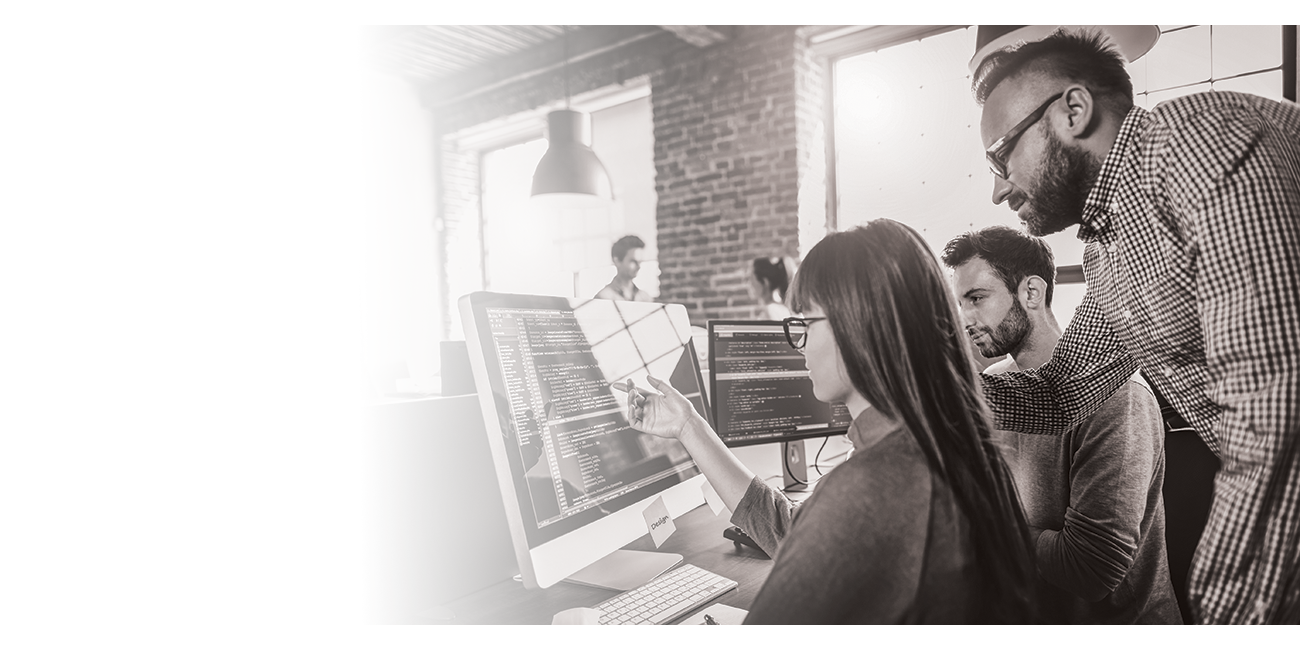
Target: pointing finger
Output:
{"points": [[663, 386]]}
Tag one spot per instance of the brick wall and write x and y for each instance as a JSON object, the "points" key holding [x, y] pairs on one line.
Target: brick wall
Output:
{"points": [[735, 127]]}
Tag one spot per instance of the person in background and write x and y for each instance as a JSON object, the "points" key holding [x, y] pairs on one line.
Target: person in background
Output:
{"points": [[626, 255], [922, 523], [1191, 212], [1093, 495], [768, 280]]}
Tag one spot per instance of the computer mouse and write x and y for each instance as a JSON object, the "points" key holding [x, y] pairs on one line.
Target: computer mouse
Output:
{"points": [[577, 616]]}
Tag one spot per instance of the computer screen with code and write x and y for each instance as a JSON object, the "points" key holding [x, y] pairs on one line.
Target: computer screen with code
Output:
{"points": [[760, 388], [550, 363]]}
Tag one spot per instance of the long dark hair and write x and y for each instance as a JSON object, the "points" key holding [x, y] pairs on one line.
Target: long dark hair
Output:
{"points": [[774, 273], [896, 325]]}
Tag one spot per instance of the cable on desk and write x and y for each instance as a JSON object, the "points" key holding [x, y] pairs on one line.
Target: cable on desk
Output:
{"points": [[818, 457]]}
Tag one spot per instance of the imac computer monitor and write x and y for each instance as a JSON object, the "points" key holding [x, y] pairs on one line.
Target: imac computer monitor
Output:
{"points": [[576, 479], [760, 388]]}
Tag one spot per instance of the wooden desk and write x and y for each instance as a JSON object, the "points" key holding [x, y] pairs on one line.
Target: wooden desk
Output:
{"points": [[698, 538]]}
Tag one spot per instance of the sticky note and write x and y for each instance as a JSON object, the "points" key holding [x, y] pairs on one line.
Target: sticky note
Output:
{"points": [[658, 521], [711, 497]]}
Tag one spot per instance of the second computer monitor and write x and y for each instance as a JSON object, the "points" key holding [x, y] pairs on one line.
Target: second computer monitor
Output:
{"points": [[760, 389]]}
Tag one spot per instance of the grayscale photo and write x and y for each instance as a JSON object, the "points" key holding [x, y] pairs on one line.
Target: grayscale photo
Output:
{"points": [[835, 324]]}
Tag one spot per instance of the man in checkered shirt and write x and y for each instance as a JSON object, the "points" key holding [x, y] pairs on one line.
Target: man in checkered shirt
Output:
{"points": [[1191, 214]]}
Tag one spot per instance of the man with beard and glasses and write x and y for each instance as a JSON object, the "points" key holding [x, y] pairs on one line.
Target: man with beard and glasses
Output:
{"points": [[1191, 214], [1093, 494]]}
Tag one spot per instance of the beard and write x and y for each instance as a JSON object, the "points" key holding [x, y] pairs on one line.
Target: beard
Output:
{"points": [[1009, 335], [1057, 198]]}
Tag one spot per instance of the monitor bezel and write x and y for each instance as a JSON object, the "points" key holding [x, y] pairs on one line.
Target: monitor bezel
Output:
{"points": [[713, 391]]}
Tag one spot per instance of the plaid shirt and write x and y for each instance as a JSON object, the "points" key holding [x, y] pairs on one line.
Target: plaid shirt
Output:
{"points": [[1193, 271]]}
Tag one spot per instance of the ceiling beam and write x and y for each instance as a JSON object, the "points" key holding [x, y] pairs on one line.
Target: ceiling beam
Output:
{"points": [[582, 43], [697, 35]]}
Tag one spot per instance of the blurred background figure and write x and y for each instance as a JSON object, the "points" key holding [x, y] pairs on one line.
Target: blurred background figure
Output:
{"points": [[768, 280], [626, 255]]}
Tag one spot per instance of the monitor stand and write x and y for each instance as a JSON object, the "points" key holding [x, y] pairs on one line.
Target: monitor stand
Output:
{"points": [[624, 569], [794, 466]]}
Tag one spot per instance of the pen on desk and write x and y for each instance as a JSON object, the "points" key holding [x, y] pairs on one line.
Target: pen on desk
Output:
{"points": [[708, 620]]}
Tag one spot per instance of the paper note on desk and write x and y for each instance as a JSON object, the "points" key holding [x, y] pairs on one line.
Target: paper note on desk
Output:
{"points": [[723, 614], [658, 521]]}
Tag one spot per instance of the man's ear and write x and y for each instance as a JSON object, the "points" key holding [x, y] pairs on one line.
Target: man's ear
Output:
{"points": [[1075, 112], [1033, 292]]}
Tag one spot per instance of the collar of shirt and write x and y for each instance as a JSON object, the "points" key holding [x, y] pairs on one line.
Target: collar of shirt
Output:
{"points": [[871, 426], [1097, 210]]}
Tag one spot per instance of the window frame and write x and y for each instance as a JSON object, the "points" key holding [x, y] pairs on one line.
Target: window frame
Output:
{"points": [[833, 45]]}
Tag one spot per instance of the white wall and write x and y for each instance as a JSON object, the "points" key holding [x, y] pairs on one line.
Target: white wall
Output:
{"points": [[402, 312]]}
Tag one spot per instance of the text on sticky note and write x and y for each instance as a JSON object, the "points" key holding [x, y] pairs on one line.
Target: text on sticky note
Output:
{"points": [[658, 522]]}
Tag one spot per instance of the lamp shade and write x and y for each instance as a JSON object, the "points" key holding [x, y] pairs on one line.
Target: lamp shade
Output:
{"points": [[1132, 40], [569, 166]]}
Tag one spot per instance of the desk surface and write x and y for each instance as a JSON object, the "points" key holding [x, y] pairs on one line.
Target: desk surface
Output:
{"points": [[418, 566], [698, 538]]}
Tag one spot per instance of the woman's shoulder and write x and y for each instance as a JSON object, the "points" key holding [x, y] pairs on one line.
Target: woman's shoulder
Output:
{"points": [[894, 468]]}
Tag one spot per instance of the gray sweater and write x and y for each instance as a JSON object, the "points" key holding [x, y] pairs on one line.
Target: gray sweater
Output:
{"points": [[1096, 492], [881, 540]]}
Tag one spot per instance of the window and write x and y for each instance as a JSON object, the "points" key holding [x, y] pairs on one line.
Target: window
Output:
{"points": [[907, 143], [1195, 58], [520, 243], [545, 247]]}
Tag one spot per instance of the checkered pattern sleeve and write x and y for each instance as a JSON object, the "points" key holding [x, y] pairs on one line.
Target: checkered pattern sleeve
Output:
{"points": [[1088, 365], [1233, 175]]}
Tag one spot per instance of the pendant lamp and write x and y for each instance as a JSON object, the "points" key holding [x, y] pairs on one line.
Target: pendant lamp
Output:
{"points": [[1132, 40], [569, 166]]}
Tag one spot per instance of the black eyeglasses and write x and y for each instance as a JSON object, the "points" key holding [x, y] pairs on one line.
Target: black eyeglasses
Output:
{"points": [[997, 153], [795, 330]]}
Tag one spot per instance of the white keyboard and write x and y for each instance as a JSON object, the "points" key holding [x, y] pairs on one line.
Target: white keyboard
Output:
{"points": [[665, 599]]}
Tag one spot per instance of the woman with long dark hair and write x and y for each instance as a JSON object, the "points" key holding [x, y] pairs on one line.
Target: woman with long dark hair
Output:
{"points": [[769, 281], [922, 523]]}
